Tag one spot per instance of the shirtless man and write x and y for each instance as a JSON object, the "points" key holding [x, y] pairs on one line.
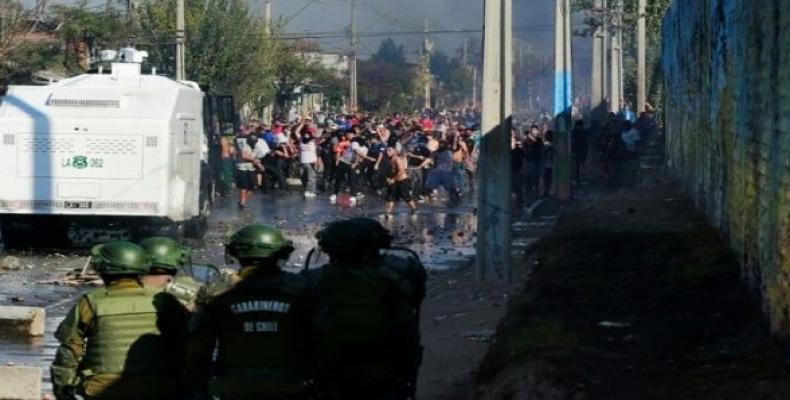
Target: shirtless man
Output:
{"points": [[398, 185], [227, 151], [460, 155]]}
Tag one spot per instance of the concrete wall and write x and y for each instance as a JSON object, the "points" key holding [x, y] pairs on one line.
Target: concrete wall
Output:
{"points": [[727, 70]]}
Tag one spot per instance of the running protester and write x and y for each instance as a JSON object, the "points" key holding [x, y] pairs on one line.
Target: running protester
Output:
{"points": [[398, 185]]}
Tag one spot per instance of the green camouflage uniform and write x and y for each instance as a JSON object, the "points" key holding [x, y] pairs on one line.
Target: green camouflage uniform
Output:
{"points": [[123, 341]]}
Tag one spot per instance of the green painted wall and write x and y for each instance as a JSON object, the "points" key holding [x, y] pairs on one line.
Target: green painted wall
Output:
{"points": [[727, 74]]}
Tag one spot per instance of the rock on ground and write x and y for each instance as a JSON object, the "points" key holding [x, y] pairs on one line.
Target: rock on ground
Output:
{"points": [[20, 383]]}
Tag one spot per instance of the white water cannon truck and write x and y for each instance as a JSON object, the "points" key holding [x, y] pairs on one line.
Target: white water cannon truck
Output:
{"points": [[101, 156]]}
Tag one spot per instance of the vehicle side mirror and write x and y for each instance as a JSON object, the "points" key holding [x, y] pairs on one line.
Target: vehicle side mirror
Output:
{"points": [[204, 272]]}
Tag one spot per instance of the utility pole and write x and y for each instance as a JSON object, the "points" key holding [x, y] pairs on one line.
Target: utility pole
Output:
{"points": [[466, 50], [494, 175], [615, 80], [598, 90], [620, 54], [180, 42], [641, 80], [427, 48], [352, 97], [563, 100], [607, 64], [267, 16], [267, 28], [474, 86]]}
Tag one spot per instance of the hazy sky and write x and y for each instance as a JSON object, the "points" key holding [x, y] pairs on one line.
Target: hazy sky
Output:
{"points": [[536, 16], [409, 15]]}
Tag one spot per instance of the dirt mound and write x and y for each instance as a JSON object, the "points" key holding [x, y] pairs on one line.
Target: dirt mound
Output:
{"points": [[634, 297]]}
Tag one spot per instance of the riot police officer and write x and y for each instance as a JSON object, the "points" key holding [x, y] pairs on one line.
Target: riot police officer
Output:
{"points": [[260, 327], [169, 261], [367, 320], [123, 341]]}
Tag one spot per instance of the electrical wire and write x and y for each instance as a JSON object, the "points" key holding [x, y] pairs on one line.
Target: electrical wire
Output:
{"points": [[311, 35]]}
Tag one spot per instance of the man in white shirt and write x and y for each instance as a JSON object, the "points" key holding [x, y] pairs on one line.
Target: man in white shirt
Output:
{"points": [[308, 159], [246, 167]]}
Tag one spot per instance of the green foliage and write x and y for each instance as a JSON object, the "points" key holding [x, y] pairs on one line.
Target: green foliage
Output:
{"points": [[108, 29], [77, 28], [24, 61], [224, 44], [334, 88], [389, 52], [81, 26], [228, 51], [292, 71], [387, 82], [385, 86], [654, 13], [453, 79]]}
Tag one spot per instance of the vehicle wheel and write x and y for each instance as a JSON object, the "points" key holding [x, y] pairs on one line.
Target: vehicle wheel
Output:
{"points": [[196, 227], [12, 237], [29, 233]]}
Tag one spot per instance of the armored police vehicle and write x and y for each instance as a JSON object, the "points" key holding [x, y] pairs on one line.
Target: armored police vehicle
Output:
{"points": [[114, 154]]}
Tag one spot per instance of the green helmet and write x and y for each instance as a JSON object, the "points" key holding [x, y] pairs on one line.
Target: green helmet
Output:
{"points": [[120, 258], [353, 236], [165, 253], [258, 241]]}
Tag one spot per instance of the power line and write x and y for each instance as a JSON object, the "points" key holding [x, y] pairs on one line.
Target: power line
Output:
{"points": [[337, 35]]}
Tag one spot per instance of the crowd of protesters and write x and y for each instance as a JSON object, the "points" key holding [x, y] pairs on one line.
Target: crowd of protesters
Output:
{"points": [[348, 157], [615, 143]]}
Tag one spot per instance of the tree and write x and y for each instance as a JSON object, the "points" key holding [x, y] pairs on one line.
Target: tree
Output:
{"points": [[654, 14], [333, 87], [227, 50], [24, 61], [385, 86], [84, 31], [453, 79], [292, 71], [18, 22], [389, 52], [20, 51]]}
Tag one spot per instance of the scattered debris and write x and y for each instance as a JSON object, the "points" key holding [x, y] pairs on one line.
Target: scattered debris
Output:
{"points": [[84, 276], [481, 336], [10, 263], [613, 324]]}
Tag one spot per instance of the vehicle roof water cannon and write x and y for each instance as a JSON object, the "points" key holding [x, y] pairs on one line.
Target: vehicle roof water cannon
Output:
{"points": [[132, 55], [125, 55]]}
